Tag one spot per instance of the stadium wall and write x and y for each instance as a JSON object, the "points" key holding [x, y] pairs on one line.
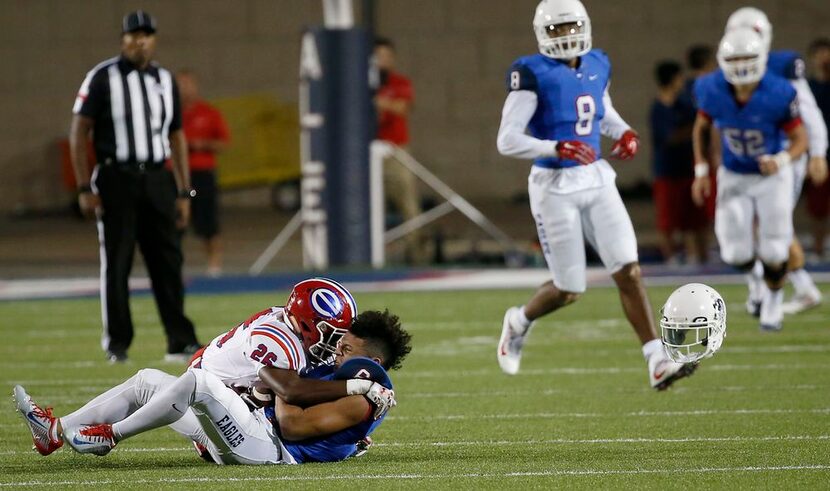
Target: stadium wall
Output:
{"points": [[456, 52]]}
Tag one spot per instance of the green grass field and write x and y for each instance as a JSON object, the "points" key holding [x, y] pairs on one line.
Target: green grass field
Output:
{"points": [[579, 415]]}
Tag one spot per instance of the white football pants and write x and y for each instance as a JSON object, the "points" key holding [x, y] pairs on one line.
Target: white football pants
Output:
{"points": [[198, 405], [577, 203], [742, 197]]}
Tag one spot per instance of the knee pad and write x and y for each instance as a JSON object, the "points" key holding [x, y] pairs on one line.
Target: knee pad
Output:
{"points": [[775, 275]]}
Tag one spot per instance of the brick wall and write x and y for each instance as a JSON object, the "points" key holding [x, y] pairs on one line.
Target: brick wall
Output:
{"points": [[456, 52]]}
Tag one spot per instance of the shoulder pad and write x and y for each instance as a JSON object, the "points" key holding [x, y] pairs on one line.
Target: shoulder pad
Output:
{"points": [[365, 368], [521, 77], [318, 371]]}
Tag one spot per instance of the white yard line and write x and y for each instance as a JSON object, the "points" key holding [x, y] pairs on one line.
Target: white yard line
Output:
{"points": [[475, 475], [697, 412], [556, 441]]}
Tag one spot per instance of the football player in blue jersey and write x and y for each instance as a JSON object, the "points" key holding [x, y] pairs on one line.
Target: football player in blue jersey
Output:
{"points": [[788, 64], [556, 109], [750, 107]]}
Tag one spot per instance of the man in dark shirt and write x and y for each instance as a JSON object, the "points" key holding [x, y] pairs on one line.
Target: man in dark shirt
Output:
{"points": [[672, 116], [818, 197]]}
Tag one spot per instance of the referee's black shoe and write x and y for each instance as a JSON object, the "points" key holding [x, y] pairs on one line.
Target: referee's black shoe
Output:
{"points": [[116, 357], [184, 355]]}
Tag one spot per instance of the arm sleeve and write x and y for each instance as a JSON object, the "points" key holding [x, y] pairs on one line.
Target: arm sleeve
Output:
{"points": [[519, 108], [612, 124], [812, 117], [92, 95]]}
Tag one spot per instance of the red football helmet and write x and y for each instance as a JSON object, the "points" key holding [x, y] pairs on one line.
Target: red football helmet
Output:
{"points": [[324, 310]]}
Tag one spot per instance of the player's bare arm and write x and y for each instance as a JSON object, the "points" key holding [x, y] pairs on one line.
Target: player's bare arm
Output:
{"points": [[701, 134], [295, 390], [181, 172], [297, 423], [78, 134]]}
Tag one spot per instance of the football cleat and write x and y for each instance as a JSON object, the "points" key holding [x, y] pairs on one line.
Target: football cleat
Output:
{"points": [[203, 452], [662, 372], [41, 422], [772, 313], [509, 351], [362, 447], [94, 439], [800, 303]]}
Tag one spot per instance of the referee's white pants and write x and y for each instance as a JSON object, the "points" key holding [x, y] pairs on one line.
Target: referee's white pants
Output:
{"points": [[742, 197], [577, 203]]}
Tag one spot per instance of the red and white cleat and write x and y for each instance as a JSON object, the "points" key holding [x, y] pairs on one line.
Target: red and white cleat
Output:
{"points": [[662, 372], [94, 439], [42, 424]]}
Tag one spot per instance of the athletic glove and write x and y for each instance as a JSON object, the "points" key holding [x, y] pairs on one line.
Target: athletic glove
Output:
{"points": [[626, 147], [382, 398], [575, 150]]}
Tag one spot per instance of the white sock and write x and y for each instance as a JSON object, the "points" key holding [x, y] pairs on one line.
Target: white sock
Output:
{"points": [[162, 409], [519, 320], [801, 281], [653, 347]]}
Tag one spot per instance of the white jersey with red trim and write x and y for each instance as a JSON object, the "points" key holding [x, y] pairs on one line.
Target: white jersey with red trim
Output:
{"points": [[264, 339]]}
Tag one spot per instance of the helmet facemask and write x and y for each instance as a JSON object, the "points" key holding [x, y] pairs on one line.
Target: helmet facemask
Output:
{"points": [[566, 40], [329, 336], [742, 56], [689, 341]]}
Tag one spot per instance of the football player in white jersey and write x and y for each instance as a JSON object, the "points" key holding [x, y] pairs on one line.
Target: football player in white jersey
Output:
{"points": [[319, 310], [560, 97], [788, 64]]}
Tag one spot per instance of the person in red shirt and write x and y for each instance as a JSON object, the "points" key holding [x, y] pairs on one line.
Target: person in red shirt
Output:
{"points": [[393, 102], [207, 135]]}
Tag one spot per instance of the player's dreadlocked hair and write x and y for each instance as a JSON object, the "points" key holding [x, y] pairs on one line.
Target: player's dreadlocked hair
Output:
{"points": [[384, 335]]}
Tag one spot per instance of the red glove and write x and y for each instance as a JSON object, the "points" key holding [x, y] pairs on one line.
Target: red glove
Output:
{"points": [[626, 147], [576, 150]]}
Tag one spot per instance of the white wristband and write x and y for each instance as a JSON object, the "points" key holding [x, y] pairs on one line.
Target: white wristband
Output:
{"points": [[357, 386], [553, 152], [262, 396], [782, 158], [701, 169]]}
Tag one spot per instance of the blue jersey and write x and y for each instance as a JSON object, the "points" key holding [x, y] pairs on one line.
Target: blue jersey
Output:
{"points": [[751, 130], [340, 445], [786, 64], [570, 103]]}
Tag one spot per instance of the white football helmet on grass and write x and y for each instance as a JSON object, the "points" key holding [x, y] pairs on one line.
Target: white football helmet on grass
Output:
{"points": [[693, 323]]}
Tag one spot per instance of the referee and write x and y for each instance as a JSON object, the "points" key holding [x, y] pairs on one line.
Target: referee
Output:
{"points": [[130, 106]]}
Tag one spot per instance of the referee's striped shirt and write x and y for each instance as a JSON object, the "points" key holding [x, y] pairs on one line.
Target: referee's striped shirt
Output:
{"points": [[134, 111]]}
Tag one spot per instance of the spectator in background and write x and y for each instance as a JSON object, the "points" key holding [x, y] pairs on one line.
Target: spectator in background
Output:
{"points": [[672, 117], [393, 103], [700, 60], [207, 135], [818, 197]]}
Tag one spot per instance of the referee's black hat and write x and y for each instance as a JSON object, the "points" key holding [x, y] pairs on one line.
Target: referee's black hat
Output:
{"points": [[138, 21]]}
